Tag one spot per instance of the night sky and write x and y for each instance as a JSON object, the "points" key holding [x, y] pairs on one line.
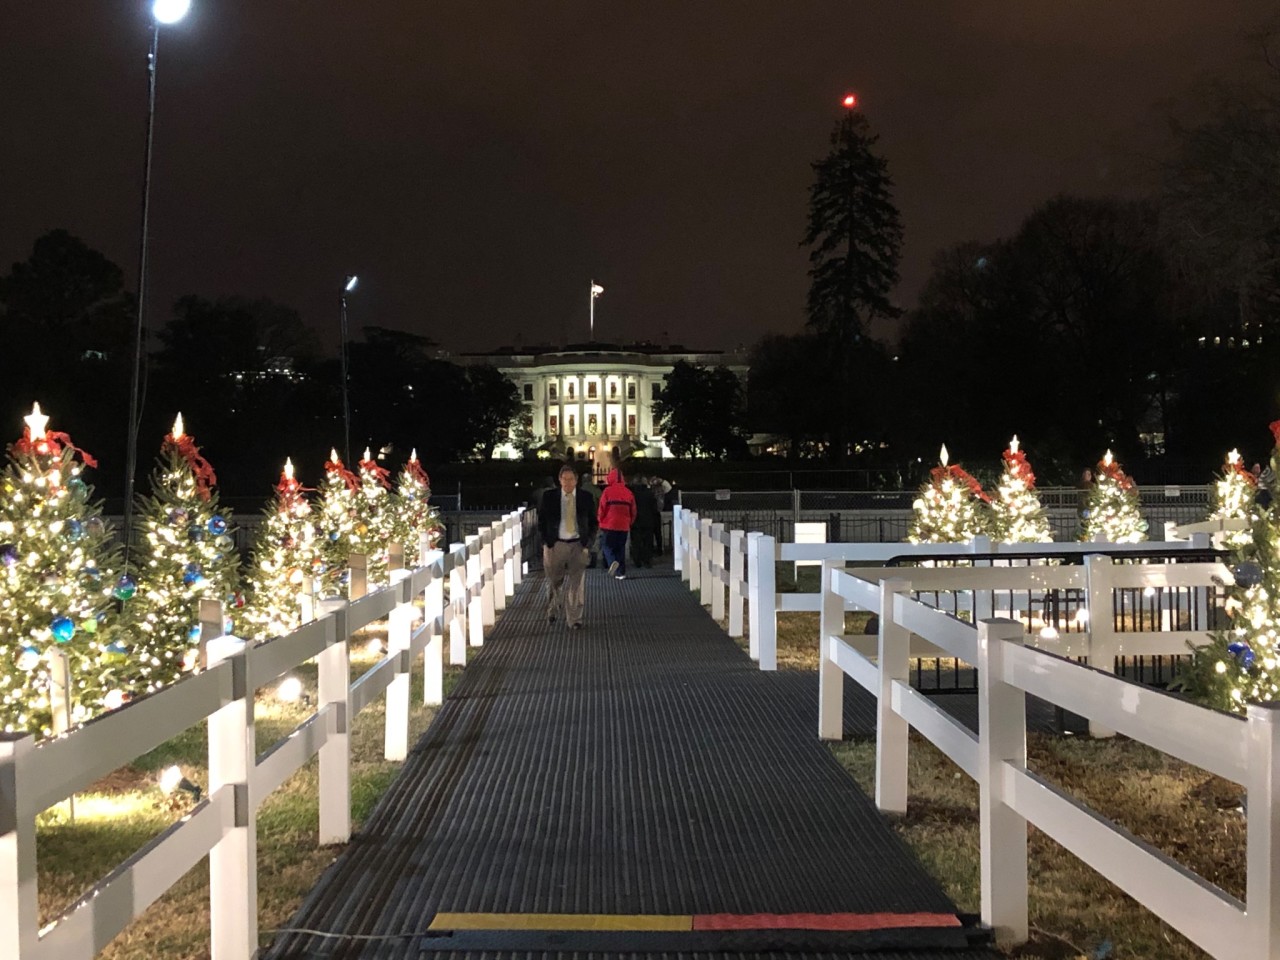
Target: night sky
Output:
{"points": [[478, 163]]}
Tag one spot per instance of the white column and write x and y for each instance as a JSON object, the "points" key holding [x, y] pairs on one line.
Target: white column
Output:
{"points": [[335, 754], [489, 576], [753, 595], [893, 649], [1262, 850], [717, 565], [737, 540], [457, 604], [19, 906], [475, 600], [433, 654], [768, 596], [1002, 739], [233, 861], [704, 560], [830, 676], [396, 716], [1103, 642], [677, 541]]}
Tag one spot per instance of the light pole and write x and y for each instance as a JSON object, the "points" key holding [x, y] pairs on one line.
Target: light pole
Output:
{"points": [[342, 346], [596, 290], [162, 12]]}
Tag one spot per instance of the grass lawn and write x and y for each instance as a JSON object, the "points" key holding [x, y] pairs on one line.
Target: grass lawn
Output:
{"points": [[1187, 813], [126, 809]]}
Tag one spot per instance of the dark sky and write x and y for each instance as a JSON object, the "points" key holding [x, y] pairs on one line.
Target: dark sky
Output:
{"points": [[478, 163]]}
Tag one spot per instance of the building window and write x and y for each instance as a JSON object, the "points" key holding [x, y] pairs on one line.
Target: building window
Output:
{"points": [[573, 425], [591, 390], [631, 424], [552, 392], [631, 391], [570, 389], [613, 424], [528, 391], [613, 390], [593, 424], [553, 425]]}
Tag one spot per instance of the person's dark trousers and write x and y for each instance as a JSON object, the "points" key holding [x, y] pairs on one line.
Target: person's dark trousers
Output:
{"points": [[641, 546], [657, 537], [613, 544]]}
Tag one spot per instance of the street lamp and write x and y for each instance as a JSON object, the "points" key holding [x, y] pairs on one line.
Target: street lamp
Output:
{"points": [[342, 346], [162, 12]]}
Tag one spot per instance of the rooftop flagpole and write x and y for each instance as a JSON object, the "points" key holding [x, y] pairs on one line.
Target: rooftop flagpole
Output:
{"points": [[596, 290]]}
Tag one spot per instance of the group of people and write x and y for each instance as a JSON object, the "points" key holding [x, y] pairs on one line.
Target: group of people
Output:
{"points": [[569, 517]]}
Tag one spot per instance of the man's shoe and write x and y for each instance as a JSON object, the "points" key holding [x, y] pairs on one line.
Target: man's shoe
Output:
{"points": [[576, 626], [613, 567], [551, 618], [619, 576]]}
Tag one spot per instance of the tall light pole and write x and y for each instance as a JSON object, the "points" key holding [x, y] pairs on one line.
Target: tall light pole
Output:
{"points": [[347, 287], [162, 12], [596, 290]]}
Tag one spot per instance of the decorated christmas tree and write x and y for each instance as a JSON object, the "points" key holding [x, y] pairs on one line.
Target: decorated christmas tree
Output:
{"points": [[1016, 513], [336, 516], [1112, 509], [951, 508], [186, 554], [375, 518], [1241, 664], [1235, 494], [414, 515], [285, 555], [57, 572]]}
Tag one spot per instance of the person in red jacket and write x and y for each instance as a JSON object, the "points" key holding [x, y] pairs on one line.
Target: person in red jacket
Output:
{"points": [[616, 513]]}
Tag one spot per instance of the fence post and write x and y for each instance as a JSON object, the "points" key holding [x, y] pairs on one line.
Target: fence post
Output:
{"points": [[395, 556], [893, 655], [983, 607], [335, 755], [395, 736], [19, 906], [830, 676], [357, 575], [767, 593], [457, 604], [517, 545], [736, 563], [489, 585], [693, 559], [475, 599], [1102, 633], [1200, 616], [1262, 850], [795, 512], [677, 540], [1002, 738], [233, 861], [433, 615], [509, 540], [716, 565], [754, 601], [704, 560]]}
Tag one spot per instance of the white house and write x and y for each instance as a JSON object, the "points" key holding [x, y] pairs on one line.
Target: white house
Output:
{"points": [[586, 399]]}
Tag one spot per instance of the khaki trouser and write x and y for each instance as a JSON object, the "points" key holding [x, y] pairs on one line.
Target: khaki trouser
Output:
{"points": [[565, 565]]}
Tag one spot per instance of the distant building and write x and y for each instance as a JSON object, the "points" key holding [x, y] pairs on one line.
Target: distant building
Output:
{"points": [[585, 399]]}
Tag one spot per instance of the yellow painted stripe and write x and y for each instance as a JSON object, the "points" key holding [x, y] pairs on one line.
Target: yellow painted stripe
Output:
{"points": [[558, 921]]}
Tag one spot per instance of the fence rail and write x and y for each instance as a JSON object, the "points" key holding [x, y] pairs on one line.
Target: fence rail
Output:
{"points": [[481, 573]]}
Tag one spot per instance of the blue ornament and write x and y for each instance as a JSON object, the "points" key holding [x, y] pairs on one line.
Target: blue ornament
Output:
{"points": [[193, 634], [217, 526], [8, 554], [1247, 659], [195, 533], [28, 659], [117, 649], [125, 588], [192, 574], [334, 535], [77, 487], [177, 515], [345, 577], [75, 529], [1247, 573], [63, 629], [92, 576], [226, 626], [1086, 513], [1237, 647]]}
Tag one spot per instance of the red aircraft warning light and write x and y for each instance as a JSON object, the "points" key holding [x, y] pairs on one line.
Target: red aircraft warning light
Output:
{"points": [[850, 101]]}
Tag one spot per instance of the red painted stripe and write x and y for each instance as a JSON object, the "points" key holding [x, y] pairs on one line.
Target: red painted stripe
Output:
{"points": [[822, 921]]}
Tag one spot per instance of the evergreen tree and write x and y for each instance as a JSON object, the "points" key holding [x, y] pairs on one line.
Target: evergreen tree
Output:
{"points": [[187, 553], [57, 568], [952, 506], [855, 236], [1235, 494], [337, 511], [375, 526], [1016, 513], [285, 555], [1113, 506], [413, 513]]}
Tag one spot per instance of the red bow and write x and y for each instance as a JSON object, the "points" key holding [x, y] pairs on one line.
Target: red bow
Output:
{"points": [[939, 472], [50, 445], [379, 473], [414, 469], [1018, 466], [1113, 472], [349, 478], [186, 448]]}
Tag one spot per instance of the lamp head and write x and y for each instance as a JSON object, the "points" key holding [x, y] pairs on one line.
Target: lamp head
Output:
{"points": [[170, 11], [351, 283], [850, 101]]}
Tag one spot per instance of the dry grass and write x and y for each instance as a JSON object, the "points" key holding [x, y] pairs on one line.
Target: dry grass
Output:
{"points": [[126, 809]]}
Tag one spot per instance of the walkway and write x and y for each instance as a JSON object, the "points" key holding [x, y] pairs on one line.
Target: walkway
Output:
{"points": [[641, 771]]}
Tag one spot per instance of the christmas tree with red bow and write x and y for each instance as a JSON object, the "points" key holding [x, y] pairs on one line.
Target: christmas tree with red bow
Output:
{"points": [[1234, 497], [1113, 510], [337, 513], [951, 508], [415, 518], [186, 553], [1017, 515], [375, 519], [58, 568], [285, 556]]}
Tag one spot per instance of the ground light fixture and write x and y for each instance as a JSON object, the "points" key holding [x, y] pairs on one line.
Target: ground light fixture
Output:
{"points": [[289, 690], [171, 779]]}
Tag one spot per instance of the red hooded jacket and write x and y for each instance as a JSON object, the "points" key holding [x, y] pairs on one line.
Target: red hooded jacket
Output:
{"points": [[617, 510]]}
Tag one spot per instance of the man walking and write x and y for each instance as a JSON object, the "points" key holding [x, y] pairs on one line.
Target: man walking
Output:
{"points": [[566, 523], [616, 514]]}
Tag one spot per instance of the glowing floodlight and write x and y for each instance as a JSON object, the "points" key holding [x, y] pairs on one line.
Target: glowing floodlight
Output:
{"points": [[170, 11]]}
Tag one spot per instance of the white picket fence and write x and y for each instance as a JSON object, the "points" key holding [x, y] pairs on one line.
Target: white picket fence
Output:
{"points": [[1244, 750], [482, 573]]}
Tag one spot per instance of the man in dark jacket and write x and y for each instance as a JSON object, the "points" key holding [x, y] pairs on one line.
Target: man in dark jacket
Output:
{"points": [[567, 524], [648, 520]]}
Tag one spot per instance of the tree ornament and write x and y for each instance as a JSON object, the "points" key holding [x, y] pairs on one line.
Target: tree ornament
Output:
{"points": [[63, 629], [217, 526], [8, 555], [125, 588], [28, 659], [1247, 573]]}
